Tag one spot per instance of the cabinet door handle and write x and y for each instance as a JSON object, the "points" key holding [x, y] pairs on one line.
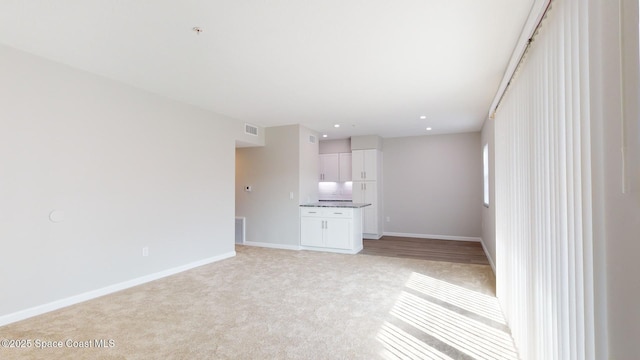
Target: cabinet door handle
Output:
{"points": [[365, 174], [337, 213]]}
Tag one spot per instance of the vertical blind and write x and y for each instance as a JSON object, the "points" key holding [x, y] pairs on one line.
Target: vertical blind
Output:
{"points": [[543, 206]]}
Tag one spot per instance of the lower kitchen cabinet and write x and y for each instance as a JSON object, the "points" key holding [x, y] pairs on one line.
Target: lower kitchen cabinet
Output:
{"points": [[312, 231], [331, 229]]}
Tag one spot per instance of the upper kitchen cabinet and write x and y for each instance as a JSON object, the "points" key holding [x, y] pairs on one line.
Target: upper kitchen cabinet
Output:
{"points": [[364, 164], [345, 167], [329, 167]]}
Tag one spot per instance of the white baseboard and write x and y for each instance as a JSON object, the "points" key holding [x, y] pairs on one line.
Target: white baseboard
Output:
{"points": [[272, 246], [337, 251], [72, 300], [437, 237], [493, 265], [371, 236]]}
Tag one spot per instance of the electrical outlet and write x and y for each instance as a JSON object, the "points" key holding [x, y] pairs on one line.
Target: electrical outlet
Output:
{"points": [[145, 251]]}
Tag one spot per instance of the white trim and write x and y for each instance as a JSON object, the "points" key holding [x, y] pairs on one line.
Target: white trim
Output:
{"points": [[75, 299], [272, 246], [435, 237], [338, 251], [371, 236], [493, 265]]}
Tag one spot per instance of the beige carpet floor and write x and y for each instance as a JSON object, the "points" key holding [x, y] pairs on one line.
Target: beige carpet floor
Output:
{"points": [[280, 304]]}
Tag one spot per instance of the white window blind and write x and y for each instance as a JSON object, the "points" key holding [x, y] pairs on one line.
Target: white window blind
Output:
{"points": [[542, 200]]}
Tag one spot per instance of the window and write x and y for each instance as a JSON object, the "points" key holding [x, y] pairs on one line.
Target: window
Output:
{"points": [[485, 167]]}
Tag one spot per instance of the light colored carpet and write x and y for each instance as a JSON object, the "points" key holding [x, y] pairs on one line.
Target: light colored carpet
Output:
{"points": [[280, 304]]}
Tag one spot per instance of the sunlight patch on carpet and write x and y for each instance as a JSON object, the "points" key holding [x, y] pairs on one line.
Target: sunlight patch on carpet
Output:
{"points": [[399, 344], [439, 320], [480, 304]]}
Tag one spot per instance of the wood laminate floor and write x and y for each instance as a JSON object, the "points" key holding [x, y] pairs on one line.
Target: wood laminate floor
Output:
{"points": [[467, 252]]}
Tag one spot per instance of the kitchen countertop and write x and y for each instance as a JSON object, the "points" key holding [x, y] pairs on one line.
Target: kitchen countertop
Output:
{"points": [[336, 204]]}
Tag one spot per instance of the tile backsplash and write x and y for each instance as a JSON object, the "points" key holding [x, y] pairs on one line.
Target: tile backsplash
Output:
{"points": [[335, 190]]}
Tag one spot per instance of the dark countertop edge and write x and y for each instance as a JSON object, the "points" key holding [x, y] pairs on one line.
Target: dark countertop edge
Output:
{"points": [[336, 205]]}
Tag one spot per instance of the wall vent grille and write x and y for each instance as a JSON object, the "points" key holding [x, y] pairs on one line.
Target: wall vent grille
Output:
{"points": [[312, 139], [240, 230], [250, 129]]}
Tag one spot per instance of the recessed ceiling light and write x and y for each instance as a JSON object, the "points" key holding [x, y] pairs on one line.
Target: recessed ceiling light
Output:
{"points": [[428, 129], [324, 135], [336, 125], [423, 117]]}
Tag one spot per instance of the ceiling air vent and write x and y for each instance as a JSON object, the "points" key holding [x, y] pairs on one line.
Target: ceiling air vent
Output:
{"points": [[312, 139], [251, 129]]}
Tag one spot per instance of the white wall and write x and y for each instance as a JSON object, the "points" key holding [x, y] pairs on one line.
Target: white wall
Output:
{"points": [[489, 213], [287, 163], [309, 163], [366, 142], [334, 146], [128, 169], [433, 185], [247, 140], [616, 210]]}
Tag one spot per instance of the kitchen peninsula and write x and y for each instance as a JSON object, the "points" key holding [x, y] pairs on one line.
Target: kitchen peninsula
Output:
{"points": [[334, 226]]}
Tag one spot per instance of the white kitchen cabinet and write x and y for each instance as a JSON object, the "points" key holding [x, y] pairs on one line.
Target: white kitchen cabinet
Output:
{"points": [[365, 164], [337, 233], [331, 229], [329, 167], [335, 167], [367, 188], [367, 192], [312, 231], [345, 167]]}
